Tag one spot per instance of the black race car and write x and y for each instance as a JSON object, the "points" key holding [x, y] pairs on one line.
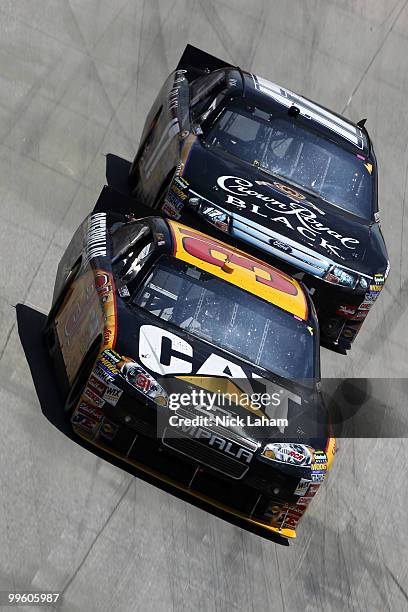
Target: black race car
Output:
{"points": [[194, 361], [274, 170]]}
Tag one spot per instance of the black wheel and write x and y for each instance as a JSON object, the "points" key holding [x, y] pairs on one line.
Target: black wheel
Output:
{"points": [[80, 380], [134, 174], [159, 201], [49, 335]]}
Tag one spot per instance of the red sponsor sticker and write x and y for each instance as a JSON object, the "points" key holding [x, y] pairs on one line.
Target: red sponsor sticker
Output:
{"points": [[360, 315], [85, 422], [345, 310], [93, 397], [304, 501], [312, 490], [142, 382], [97, 385], [89, 410]]}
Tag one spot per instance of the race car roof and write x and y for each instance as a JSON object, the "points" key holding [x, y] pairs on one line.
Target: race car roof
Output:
{"points": [[319, 115], [256, 87], [239, 268]]}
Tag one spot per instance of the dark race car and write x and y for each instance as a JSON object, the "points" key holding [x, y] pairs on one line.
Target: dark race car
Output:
{"points": [[276, 171], [150, 320]]}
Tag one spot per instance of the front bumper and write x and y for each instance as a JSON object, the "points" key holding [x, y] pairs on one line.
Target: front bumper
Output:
{"points": [[248, 499], [188, 488]]}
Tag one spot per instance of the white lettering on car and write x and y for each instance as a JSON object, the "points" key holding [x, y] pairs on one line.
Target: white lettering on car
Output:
{"points": [[163, 352], [296, 216]]}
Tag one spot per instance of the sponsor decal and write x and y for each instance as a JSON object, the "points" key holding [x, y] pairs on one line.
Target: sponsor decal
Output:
{"points": [[85, 422], [281, 246], [371, 296], [103, 373], [304, 501], [108, 365], [346, 311], [288, 452], [142, 382], [98, 386], [105, 288], [163, 352], [359, 315], [173, 96], [176, 197], [88, 410], [320, 457], [293, 215], [112, 394], [318, 476], [302, 486], [292, 515], [216, 441], [113, 357], [379, 279], [124, 291], [108, 429], [376, 288], [93, 397], [96, 236], [319, 466], [217, 217], [313, 489], [289, 191], [365, 305], [170, 210]]}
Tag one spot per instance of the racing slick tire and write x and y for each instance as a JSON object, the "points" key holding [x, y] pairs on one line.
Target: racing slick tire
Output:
{"points": [[49, 335], [81, 378], [134, 172], [159, 200]]}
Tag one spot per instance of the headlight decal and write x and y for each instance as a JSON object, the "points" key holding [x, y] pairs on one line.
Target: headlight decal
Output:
{"points": [[337, 275], [288, 452], [217, 218], [140, 380]]}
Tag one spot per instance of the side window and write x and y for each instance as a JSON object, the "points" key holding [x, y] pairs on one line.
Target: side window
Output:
{"points": [[132, 244], [239, 126]]}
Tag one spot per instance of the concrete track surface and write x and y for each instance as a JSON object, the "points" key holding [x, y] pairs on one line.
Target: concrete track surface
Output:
{"points": [[76, 80]]}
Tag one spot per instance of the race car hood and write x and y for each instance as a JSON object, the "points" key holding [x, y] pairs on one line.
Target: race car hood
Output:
{"points": [[277, 217], [181, 362]]}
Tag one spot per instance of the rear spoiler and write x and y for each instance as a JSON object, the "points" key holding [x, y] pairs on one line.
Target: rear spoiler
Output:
{"points": [[199, 62]]}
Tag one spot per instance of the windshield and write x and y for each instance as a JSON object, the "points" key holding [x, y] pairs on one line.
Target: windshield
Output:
{"points": [[283, 147], [228, 317]]}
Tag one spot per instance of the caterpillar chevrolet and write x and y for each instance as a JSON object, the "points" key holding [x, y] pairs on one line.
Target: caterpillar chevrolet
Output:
{"points": [[145, 310], [293, 181]]}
